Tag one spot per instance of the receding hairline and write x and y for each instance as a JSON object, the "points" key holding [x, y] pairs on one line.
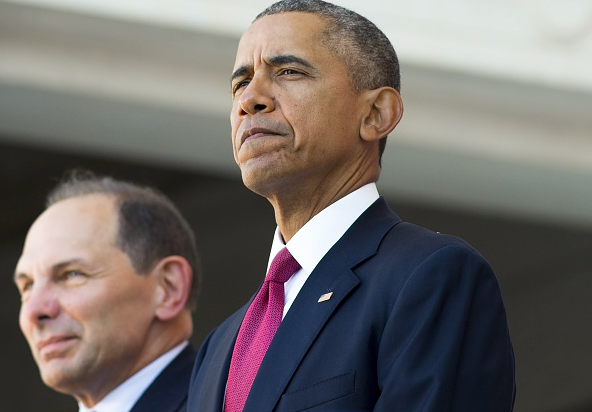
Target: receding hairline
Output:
{"points": [[329, 20], [109, 215], [108, 186], [117, 193]]}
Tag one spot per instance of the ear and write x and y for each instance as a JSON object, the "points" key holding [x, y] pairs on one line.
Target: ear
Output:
{"points": [[174, 276], [385, 112]]}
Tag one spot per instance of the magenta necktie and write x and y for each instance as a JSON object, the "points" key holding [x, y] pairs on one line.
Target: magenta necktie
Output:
{"points": [[261, 321]]}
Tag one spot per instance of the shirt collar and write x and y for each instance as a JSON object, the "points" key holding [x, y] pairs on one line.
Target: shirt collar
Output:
{"points": [[319, 234], [125, 396]]}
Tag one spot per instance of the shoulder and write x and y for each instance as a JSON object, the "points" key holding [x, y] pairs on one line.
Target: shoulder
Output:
{"points": [[380, 232], [222, 336], [409, 255], [406, 242]]}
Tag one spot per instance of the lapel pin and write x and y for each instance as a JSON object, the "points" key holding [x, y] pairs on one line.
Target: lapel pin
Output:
{"points": [[325, 297]]}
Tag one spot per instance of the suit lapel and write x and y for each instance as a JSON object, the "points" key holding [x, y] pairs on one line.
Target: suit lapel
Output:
{"points": [[214, 382], [332, 274]]}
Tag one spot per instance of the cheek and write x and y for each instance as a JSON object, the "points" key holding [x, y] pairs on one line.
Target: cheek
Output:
{"points": [[120, 303], [25, 326], [311, 113], [233, 122], [93, 303], [234, 125], [104, 322]]}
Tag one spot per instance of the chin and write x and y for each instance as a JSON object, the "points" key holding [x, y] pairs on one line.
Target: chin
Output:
{"points": [[259, 181], [61, 377], [61, 383], [254, 186]]}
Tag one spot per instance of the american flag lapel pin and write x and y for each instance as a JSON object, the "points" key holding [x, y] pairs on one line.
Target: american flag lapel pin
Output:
{"points": [[325, 297]]}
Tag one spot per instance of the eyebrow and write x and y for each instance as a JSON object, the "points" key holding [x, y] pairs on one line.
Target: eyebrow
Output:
{"points": [[240, 72], [287, 59], [278, 60]]}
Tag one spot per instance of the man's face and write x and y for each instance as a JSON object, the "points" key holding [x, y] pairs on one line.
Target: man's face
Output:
{"points": [[85, 312], [295, 117]]}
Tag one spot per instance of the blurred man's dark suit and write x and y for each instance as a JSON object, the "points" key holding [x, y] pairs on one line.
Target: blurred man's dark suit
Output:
{"points": [[168, 392]]}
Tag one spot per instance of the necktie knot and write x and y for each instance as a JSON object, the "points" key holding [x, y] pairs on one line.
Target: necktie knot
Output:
{"points": [[282, 267]]}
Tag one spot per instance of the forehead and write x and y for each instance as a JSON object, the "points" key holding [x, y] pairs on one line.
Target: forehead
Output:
{"points": [[280, 34], [73, 226]]}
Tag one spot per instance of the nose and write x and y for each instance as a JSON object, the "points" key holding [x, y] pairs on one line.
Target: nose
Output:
{"points": [[256, 97], [40, 305]]}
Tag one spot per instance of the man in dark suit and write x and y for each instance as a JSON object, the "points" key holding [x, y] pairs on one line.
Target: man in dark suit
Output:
{"points": [[380, 315], [108, 279]]}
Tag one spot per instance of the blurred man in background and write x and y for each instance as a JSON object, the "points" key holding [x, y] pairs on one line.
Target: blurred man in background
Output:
{"points": [[108, 279]]}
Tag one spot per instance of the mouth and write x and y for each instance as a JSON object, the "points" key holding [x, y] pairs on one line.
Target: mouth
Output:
{"points": [[257, 133], [55, 345]]}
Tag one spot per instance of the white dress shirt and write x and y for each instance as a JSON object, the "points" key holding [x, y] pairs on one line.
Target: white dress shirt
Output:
{"points": [[312, 242], [125, 396]]}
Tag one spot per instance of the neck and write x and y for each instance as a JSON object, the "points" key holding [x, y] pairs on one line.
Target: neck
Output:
{"points": [[162, 338], [298, 197], [294, 209]]}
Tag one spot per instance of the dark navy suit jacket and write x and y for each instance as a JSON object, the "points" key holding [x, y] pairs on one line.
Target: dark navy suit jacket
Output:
{"points": [[168, 392], [416, 323]]}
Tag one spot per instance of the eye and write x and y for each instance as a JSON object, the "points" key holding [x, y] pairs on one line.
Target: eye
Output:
{"points": [[23, 283], [25, 287], [289, 72], [239, 85], [72, 276]]}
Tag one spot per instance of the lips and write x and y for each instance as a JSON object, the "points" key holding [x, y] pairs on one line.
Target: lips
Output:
{"points": [[55, 345], [257, 132]]}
